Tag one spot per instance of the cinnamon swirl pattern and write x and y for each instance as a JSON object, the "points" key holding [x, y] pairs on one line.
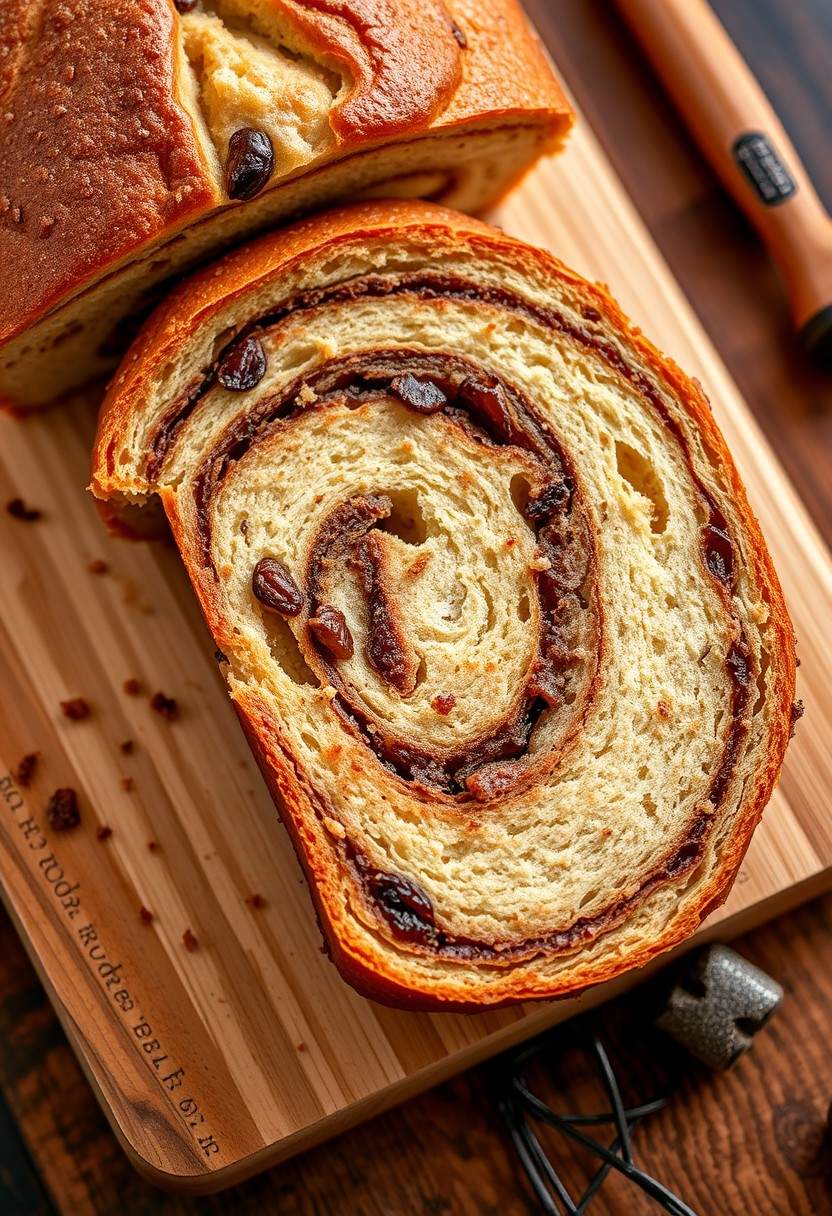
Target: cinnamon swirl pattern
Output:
{"points": [[493, 609]]}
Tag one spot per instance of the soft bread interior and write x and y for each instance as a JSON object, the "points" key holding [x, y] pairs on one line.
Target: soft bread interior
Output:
{"points": [[619, 778], [247, 78]]}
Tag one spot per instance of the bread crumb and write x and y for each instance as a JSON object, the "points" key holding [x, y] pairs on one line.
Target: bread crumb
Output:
{"points": [[126, 747], [189, 941], [17, 508], [76, 709], [145, 914], [166, 706], [25, 770], [539, 562], [98, 566], [153, 846], [131, 595], [306, 395], [62, 810], [334, 827], [126, 783], [132, 687], [103, 832], [255, 901]]}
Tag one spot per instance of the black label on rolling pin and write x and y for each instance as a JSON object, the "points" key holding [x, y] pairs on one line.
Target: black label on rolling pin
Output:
{"points": [[763, 168]]}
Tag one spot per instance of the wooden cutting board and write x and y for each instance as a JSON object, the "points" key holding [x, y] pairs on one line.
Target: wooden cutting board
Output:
{"points": [[215, 1062]]}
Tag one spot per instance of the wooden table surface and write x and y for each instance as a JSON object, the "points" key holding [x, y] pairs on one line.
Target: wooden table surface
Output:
{"points": [[749, 1141]]}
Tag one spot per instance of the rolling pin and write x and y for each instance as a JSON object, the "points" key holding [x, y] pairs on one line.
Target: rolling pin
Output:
{"points": [[739, 132]]}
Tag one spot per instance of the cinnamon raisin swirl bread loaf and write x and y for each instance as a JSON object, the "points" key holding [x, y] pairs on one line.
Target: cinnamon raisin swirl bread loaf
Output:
{"points": [[139, 136], [498, 621]]}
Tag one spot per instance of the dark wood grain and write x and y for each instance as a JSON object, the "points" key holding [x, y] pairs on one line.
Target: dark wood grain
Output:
{"points": [[21, 1189], [749, 1141]]}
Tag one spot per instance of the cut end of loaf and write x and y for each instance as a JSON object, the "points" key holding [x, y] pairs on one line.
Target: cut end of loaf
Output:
{"points": [[117, 170]]}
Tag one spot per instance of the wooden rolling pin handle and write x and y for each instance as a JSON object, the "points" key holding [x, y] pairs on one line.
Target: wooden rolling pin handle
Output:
{"points": [[745, 142]]}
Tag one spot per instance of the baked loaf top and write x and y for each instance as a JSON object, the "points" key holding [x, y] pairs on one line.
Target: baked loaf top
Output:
{"points": [[496, 616], [117, 115]]}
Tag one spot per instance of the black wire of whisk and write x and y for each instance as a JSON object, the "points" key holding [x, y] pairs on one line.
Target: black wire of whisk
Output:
{"points": [[517, 1104]]}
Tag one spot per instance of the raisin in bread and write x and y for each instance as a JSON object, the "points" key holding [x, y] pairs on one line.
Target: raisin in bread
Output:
{"points": [[500, 625], [139, 136]]}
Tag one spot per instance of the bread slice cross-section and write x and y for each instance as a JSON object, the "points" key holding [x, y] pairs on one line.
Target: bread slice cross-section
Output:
{"points": [[498, 621]]}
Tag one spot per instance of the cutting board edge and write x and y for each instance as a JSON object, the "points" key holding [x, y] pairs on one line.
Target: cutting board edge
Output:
{"points": [[209, 1182]]}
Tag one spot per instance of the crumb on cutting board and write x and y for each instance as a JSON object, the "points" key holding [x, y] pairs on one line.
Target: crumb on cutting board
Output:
{"points": [[62, 811], [17, 509], [166, 706], [25, 771]]}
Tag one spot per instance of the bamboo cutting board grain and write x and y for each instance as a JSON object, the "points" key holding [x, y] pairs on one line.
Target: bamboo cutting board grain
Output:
{"points": [[217, 1061]]}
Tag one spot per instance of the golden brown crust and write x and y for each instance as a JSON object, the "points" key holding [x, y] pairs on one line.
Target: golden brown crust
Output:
{"points": [[18, 20], [189, 308], [99, 160], [505, 70], [205, 292], [402, 56]]}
